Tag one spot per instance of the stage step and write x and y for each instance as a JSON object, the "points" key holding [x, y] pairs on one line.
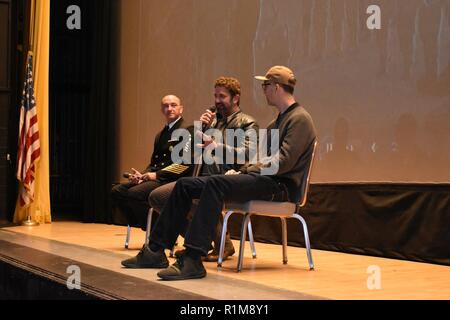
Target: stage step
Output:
{"points": [[27, 273]]}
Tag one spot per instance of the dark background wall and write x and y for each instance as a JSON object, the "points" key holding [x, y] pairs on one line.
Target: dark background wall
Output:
{"points": [[11, 52], [82, 109], [70, 73]]}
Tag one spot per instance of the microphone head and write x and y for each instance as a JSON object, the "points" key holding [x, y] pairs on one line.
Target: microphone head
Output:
{"points": [[213, 109], [126, 175], [219, 115]]}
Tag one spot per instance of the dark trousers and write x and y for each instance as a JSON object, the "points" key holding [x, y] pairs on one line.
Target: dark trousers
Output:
{"points": [[212, 192], [159, 197], [132, 201]]}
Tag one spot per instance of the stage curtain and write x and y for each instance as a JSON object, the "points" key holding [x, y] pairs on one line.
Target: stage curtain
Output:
{"points": [[40, 44], [392, 220], [100, 159]]}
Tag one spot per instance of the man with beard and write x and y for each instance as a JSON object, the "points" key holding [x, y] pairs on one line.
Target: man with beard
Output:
{"points": [[228, 115]]}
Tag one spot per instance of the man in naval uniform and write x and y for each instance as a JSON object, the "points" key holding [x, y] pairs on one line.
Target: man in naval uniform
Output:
{"points": [[131, 197]]}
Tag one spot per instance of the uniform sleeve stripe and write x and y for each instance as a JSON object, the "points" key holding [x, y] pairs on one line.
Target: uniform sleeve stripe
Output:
{"points": [[176, 168]]}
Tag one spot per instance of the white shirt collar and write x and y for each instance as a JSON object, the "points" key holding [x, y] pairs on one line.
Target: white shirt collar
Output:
{"points": [[173, 123]]}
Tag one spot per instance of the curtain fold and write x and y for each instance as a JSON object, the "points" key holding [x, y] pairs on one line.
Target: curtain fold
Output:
{"points": [[100, 158], [40, 209]]}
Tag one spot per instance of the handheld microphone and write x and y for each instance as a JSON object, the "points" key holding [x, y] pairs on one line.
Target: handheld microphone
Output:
{"points": [[213, 109]]}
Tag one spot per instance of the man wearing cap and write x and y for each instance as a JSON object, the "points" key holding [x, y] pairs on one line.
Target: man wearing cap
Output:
{"points": [[296, 141]]}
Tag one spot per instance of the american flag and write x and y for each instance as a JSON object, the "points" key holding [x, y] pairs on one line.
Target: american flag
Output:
{"points": [[29, 146]]}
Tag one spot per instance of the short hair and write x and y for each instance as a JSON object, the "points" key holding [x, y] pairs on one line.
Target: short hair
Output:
{"points": [[231, 84], [288, 89], [172, 95]]}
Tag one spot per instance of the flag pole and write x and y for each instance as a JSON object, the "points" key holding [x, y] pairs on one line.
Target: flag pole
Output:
{"points": [[29, 222]]}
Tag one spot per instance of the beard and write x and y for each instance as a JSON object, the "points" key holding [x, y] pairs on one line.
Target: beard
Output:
{"points": [[221, 110]]}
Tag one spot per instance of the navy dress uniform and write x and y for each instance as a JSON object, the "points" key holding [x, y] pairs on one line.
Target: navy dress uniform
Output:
{"points": [[130, 198]]}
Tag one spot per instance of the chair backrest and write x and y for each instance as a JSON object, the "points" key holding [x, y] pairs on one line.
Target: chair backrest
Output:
{"points": [[304, 187]]}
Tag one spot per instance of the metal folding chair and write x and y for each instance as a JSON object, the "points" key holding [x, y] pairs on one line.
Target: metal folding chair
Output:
{"points": [[280, 210]]}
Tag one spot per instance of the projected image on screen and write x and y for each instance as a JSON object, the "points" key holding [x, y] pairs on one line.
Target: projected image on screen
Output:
{"points": [[380, 97]]}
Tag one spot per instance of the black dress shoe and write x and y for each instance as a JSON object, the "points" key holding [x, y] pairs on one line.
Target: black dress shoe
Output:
{"points": [[147, 258], [184, 268]]}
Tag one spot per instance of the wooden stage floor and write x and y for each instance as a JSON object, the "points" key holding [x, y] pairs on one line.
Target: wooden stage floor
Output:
{"points": [[336, 275]]}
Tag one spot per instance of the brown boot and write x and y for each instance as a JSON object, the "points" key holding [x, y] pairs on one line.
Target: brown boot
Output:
{"points": [[227, 252], [229, 248]]}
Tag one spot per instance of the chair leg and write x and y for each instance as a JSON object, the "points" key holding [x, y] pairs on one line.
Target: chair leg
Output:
{"points": [[243, 238], [149, 225], [222, 238], [308, 246], [252, 241], [284, 239], [127, 237]]}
